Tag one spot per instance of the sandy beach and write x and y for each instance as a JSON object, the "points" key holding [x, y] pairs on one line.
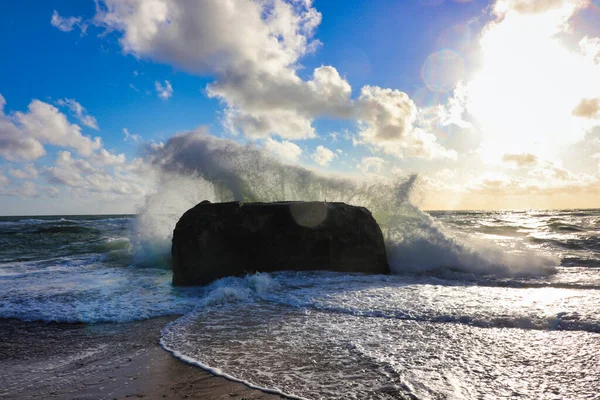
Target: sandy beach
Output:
{"points": [[102, 361]]}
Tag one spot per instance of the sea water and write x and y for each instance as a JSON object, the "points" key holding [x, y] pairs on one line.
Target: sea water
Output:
{"points": [[431, 330], [479, 305]]}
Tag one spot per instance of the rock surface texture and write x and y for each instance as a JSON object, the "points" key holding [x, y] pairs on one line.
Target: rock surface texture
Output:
{"points": [[212, 241]]}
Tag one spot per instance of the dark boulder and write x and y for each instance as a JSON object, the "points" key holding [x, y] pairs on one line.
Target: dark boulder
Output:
{"points": [[212, 241]]}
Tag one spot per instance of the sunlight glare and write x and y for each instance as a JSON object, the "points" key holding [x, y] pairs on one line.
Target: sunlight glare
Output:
{"points": [[528, 86]]}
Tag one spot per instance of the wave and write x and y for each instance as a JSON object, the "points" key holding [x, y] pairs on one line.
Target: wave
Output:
{"points": [[68, 229], [579, 262], [505, 230], [581, 243], [566, 227], [400, 298], [195, 167], [84, 294], [320, 354]]}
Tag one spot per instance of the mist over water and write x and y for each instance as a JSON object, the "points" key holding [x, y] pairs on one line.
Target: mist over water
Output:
{"points": [[196, 166]]}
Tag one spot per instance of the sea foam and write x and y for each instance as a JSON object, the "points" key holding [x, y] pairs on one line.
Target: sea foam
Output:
{"points": [[196, 167]]}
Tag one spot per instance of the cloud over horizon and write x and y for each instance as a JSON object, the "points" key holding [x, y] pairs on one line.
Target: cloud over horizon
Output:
{"points": [[508, 123]]}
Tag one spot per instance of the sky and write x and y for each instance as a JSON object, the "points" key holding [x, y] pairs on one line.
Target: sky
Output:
{"points": [[493, 104]]}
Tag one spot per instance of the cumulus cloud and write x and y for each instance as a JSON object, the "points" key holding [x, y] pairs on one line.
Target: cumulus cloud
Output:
{"points": [[14, 143], [45, 123], [253, 48], [387, 120], [51, 191], [17, 173], [3, 180], [285, 150], [83, 175], [371, 165], [502, 7], [105, 158], [546, 178], [28, 171], [588, 108], [520, 160], [590, 48], [164, 91], [23, 135], [26, 189], [323, 156], [67, 24], [79, 111]]}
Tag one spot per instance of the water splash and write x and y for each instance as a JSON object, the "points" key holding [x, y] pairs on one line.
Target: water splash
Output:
{"points": [[196, 166]]}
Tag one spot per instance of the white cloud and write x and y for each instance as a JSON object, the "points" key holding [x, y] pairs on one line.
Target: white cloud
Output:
{"points": [[545, 179], [254, 48], [131, 137], [106, 158], [3, 180], [26, 189], [51, 191], [45, 123], [323, 156], [17, 173], [520, 160], [14, 143], [564, 7], [371, 164], [285, 150], [588, 108], [31, 170], [164, 91], [590, 48], [82, 175], [387, 119], [22, 136], [79, 111], [67, 24]]}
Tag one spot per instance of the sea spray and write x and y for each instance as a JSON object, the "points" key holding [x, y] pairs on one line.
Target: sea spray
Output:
{"points": [[196, 166], [153, 227]]}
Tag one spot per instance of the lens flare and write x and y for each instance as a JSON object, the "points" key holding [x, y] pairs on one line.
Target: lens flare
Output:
{"points": [[424, 98], [457, 37], [443, 70]]}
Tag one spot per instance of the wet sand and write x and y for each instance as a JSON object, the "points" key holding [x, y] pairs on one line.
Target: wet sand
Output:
{"points": [[102, 361]]}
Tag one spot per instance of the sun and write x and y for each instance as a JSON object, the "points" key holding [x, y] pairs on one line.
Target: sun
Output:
{"points": [[524, 95]]}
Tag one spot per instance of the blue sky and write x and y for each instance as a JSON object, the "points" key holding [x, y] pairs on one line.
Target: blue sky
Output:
{"points": [[363, 88]]}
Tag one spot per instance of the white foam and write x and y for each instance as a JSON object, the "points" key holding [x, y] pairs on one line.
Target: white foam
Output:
{"points": [[217, 371], [155, 221], [92, 294], [327, 335], [197, 167]]}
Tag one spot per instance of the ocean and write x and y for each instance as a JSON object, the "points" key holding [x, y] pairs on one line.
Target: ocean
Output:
{"points": [[480, 305]]}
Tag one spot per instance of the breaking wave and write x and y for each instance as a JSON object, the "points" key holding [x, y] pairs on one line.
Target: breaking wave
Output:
{"points": [[195, 167]]}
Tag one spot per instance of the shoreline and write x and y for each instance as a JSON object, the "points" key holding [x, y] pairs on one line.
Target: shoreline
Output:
{"points": [[103, 361]]}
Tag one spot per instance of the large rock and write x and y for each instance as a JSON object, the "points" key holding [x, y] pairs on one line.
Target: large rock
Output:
{"points": [[212, 241]]}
